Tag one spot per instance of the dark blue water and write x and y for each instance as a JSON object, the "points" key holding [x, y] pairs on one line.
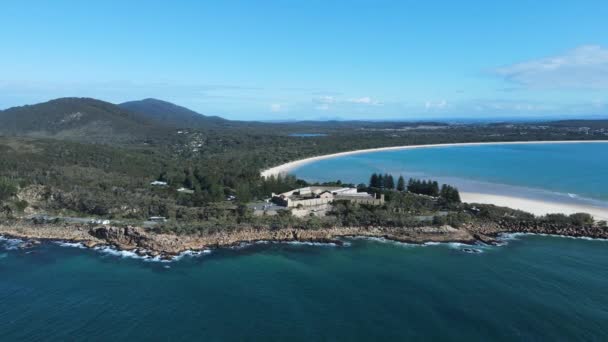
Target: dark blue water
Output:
{"points": [[534, 288], [561, 172]]}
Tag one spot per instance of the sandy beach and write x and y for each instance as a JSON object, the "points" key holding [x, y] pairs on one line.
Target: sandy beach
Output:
{"points": [[533, 206]]}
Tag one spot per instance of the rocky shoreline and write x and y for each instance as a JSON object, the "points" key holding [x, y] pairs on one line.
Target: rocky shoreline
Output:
{"points": [[145, 242]]}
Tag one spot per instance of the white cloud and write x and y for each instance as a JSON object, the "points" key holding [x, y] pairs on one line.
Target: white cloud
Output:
{"points": [[276, 107], [327, 102], [326, 99], [435, 105], [364, 100], [583, 67]]}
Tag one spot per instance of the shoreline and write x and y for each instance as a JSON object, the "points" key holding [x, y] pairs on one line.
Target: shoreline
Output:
{"points": [[534, 206], [138, 242]]}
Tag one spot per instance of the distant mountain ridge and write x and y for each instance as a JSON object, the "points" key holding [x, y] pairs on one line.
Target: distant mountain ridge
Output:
{"points": [[152, 120], [171, 114], [78, 119]]}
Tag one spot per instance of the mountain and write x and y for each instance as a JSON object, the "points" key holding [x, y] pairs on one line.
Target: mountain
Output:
{"points": [[172, 115], [82, 119]]}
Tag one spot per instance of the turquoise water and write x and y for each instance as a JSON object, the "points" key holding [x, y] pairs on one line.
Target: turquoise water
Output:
{"points": [[534, 288], [562, 172]]}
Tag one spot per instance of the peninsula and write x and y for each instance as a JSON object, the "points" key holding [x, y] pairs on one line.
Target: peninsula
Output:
{"points": [[126, 176]]}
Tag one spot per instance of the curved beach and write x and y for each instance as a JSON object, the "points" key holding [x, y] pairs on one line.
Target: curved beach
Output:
{"points": [[534, 206]]}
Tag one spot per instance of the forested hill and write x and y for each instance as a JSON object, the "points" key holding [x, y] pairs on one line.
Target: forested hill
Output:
{"points": [[173, 115], [81, 119]]}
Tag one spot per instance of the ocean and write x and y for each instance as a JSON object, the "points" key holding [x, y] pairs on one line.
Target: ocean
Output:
{"points": [[532, 288], [568, 173]]}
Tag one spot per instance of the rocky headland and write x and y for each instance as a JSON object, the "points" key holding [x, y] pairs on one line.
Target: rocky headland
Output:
{"points": [[145, 241]]}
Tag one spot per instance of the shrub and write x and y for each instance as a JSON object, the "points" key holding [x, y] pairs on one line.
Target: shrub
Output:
{"points": [[8, 189]]}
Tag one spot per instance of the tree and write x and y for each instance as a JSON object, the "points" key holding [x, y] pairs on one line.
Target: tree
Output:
{"points": [[7, 189], [373, 181], [401, 184], [449, 193], [581, 219], [389, 182], [163, 177], [434, 188], [243, 193], [188, 182]]}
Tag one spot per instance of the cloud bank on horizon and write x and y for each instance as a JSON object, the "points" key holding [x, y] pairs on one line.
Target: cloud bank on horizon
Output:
{"points": [[283, 61], [585, 67]]}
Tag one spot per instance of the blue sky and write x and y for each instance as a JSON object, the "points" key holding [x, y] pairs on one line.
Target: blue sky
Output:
{"points": [[279, 60]]}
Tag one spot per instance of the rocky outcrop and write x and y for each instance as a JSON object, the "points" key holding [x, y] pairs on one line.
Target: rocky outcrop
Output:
{"points": [[145, 241], [122, 236], [537, 227], [133, 237]]}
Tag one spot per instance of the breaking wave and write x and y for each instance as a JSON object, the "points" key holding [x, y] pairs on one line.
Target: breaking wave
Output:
{"points": [[70, 244], [144, 255], [10, 244]]}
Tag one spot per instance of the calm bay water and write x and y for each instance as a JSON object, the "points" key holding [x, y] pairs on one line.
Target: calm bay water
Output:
{"points": [[559, 172], [534, 288]]}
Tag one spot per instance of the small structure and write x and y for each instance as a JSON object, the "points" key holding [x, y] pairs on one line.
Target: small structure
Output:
{"points": [[157, 219], [100, 221], [320, 195], [185, 191], [158, 183]]}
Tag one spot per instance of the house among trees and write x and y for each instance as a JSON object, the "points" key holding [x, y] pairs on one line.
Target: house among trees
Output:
{"points": [[185, 190], [157, 219], [319, 195], [158, 183]]}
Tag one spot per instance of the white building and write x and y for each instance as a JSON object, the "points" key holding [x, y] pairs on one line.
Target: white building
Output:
{"points": [[319, 195], [158, 183]]}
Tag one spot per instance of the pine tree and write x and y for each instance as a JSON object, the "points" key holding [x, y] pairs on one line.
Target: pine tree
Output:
{"points": [[401, 184], [373, 182], [434, 189], [389, 182]]}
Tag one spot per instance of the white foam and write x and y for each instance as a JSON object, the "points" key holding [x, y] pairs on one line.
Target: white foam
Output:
{"points": [[387, 241], [513, 236], [71, 244], [191, 253], [10, 244], [309, 243], [472, 250], [243, 245], [143, 254], [432, 243]]}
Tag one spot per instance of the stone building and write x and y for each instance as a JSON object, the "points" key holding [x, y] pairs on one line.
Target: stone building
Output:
{"points": [[320, 195]]}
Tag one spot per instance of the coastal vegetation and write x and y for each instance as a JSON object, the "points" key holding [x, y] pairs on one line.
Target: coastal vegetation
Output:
{"points": [[88, 158]]}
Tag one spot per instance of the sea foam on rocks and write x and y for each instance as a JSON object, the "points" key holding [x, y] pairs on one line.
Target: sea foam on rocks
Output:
{"points": [[10, 244], [145, 256]]}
